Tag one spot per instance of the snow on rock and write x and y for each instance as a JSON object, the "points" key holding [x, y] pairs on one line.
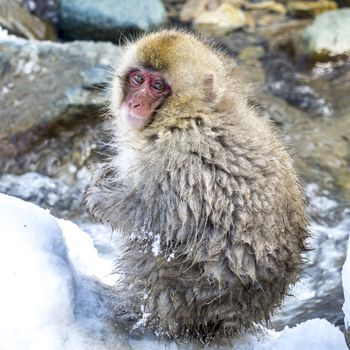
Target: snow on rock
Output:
{"points": [[3, 33], [49, 299], [346, 286], [316, 334]]}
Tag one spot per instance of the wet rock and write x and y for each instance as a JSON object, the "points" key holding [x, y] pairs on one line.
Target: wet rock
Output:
{"points": [[173, 8], [62, 199], [251, 53], [320, 146], [225, 19], [328, 36], [303, 9], [194, 8], [284, 38], [272, 6], [106, 19], [44, 9], [282, 81], [17, 20], [46, 85], [332, 81]]}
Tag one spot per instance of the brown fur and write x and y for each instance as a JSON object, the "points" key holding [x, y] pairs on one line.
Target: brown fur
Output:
{"points": [[212, 183]]}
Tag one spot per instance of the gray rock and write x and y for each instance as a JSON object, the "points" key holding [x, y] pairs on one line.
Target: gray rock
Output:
{"points": [[328, 35], [53, 194], [44, 85], [105, 19]]}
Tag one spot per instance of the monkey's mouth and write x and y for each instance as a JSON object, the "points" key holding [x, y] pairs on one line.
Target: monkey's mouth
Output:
{"points": [[135, 121]]}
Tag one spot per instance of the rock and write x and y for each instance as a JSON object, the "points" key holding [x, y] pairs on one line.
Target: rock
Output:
{"points": [[272, 6], [194, 8], [282, 81], [53, 194], [305, 9], [44, 85], [44, 9], [106, 19], [251, 53], [328, 36], [225, 19], [17, 20], [284, 37], [320, 147]]}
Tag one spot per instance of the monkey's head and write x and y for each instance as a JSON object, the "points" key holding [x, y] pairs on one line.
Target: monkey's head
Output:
{"points": [[166, 73]]}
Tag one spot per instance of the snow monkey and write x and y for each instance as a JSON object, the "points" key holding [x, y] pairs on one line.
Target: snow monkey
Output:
{"points": [[203, 190]]}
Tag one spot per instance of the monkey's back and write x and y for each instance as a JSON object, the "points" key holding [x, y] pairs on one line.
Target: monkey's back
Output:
{"points": [[216, 226]]}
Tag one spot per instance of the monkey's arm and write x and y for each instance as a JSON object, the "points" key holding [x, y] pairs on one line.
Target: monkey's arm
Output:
{"points": [[106, 190]]}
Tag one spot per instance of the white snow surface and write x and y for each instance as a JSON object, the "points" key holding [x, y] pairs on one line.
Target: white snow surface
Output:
{"points": [[346, 287], [47, 300], [3, 33]]}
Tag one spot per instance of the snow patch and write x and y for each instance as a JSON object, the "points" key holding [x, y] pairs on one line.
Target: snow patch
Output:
{"points": [[346, 286], [4, 34], [156, 245], [39, 294]]}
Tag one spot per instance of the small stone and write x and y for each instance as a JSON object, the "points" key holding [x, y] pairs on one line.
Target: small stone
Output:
{"points": [[328, 36], [305, 9], [225, 19], [194, 8], [251, 53], [272, 6]]}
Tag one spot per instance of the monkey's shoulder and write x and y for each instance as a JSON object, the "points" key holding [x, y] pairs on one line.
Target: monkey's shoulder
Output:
{"points": [[220, 149]]}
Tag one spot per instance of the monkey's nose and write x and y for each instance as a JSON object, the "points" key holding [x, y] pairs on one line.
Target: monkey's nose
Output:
{"points": [[135, 104]]}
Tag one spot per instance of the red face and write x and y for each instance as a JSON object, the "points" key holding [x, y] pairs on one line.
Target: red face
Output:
{"points": [[146, 90]]}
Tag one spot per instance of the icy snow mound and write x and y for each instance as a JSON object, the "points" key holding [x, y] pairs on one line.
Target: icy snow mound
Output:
{"points": [[41, 279], [346, 287], [48, 299]]}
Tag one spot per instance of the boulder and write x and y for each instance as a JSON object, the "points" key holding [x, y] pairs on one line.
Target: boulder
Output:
{"points": [[106, 19], [194, 8], [225, 19], [268, 5], [305, 9], [328, 36], [44, 85]]}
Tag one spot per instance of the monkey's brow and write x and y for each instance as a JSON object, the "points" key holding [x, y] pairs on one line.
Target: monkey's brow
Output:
{"points": [[149, 67]]}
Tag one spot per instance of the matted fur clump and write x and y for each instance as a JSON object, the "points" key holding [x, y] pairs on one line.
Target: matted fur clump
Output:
{"points": [[205, 195]]}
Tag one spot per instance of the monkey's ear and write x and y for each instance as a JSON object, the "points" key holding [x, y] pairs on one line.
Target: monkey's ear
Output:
{"points": [[208, 84]]}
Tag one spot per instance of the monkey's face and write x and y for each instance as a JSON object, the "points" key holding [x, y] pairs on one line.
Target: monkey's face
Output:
{"points": [[145, 91], [165, 76]]}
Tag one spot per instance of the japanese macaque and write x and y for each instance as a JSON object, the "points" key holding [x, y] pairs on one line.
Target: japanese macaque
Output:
{"points": [[203, 190]]}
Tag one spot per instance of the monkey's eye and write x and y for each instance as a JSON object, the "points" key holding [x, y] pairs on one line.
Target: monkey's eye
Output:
{"points": [[138, 78], [158, 85]]}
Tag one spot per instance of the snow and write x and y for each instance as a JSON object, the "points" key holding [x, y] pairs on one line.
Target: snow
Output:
{"points": [[37, 302], [346, 286], [3, 33], [49, 298], [156, 245]]}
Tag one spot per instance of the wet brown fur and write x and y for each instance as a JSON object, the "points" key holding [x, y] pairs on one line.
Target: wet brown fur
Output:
{"points": [[212, 183]]}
